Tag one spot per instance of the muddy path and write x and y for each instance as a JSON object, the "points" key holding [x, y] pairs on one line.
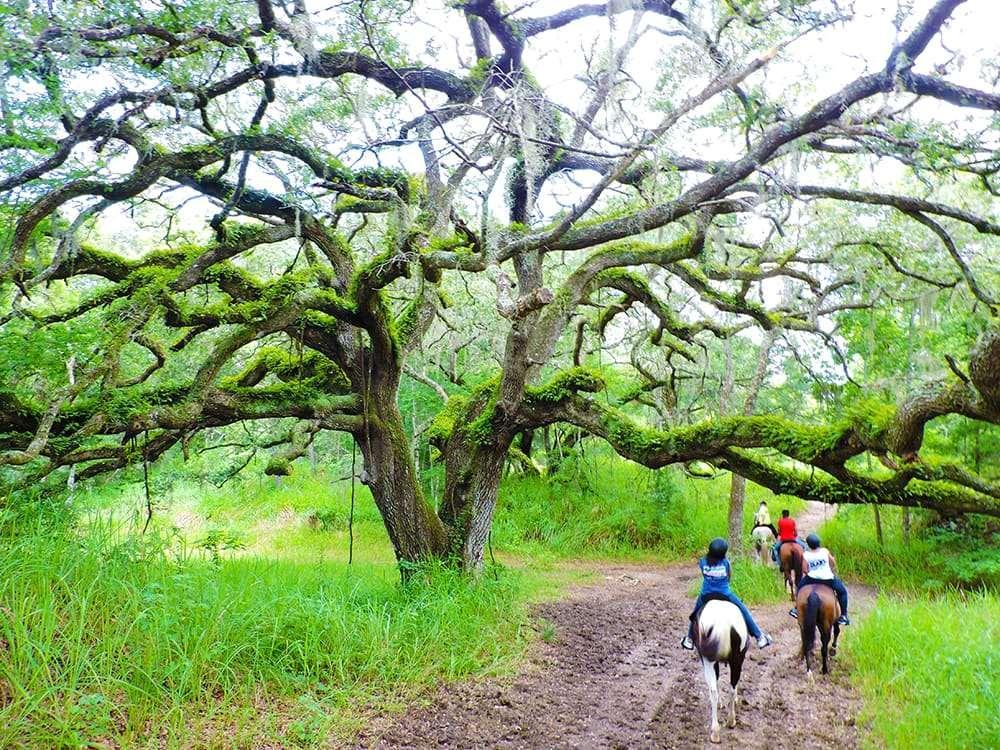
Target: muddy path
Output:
{"points": [[614, 676]]}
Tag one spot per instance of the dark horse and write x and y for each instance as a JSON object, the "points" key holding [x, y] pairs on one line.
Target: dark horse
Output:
{"points": [[818, 608], [790, 557], [720, 635]]}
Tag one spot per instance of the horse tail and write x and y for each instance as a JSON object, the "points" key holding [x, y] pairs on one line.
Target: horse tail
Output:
{"points": [[809, 622], [737, 651], [797, 563], [707, 643]]}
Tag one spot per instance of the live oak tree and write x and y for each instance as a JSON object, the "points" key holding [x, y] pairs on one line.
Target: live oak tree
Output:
{"points": [[336, 187]]}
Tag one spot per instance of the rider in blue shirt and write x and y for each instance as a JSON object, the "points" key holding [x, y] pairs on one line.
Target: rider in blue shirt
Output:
{"points": [[716, 572]]}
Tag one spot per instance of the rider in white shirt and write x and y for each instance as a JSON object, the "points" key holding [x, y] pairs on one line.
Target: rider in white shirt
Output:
{"points": [[763, 518], [819, 566]]}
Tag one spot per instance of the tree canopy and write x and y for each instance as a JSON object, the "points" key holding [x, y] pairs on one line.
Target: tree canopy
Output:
{"points": [[222, 212]]}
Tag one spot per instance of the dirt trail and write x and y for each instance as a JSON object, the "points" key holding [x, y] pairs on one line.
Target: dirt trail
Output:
{"points": [[615, 676]]}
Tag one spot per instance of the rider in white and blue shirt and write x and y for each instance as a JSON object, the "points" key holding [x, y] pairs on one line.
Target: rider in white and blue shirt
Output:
{"points": [[716, 572], [820, 566]]}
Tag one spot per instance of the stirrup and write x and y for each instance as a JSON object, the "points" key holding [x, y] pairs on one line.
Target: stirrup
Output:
{"points": [[687, 643]]}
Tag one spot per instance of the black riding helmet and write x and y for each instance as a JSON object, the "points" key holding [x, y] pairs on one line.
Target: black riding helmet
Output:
{"points": [[813, 541], [718, 548]]}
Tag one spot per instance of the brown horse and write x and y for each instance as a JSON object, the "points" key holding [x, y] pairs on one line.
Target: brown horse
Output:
{"points": [[818, 608], [790, 556]]}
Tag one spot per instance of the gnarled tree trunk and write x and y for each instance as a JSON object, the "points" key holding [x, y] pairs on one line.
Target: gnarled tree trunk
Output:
{"points": [[470, 497], [414, 529]]}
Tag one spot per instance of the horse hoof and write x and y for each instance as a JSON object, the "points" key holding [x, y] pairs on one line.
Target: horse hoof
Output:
{"points": [[714, 737], [811, 676]]}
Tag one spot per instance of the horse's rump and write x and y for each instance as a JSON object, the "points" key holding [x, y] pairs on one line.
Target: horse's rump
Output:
{"points": [[761, 536], [790, 555], [720, 635], [719, 629], [817, 607]]}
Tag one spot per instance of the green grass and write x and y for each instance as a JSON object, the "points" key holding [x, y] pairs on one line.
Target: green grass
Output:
{"points": [[600, 506], [927, 658], [752, 583], [236, 621], [106, 637], [756, 584], [929, 671], [303, 517], [936, 559]]}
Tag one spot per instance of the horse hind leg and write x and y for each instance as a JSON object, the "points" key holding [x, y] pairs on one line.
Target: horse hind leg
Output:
{"points": [[732, 709], [736, 656], [713, 697], [836, 635], [824, 648]]}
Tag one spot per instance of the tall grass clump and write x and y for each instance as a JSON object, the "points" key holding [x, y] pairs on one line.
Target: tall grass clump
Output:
{"points": [[752, 583], [757, 584], [929, 670], [106, 637]]}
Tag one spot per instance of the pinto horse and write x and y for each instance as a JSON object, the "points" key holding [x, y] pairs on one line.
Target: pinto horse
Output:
{"points": [[762, 541], [818, 607], [790, 555], [720, 635]]}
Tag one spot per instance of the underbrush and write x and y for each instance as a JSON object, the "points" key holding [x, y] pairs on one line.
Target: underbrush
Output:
{"points": [[304, 517], [926, 658], [599, 505], [929, 670], [936, 558], [110, 637]]}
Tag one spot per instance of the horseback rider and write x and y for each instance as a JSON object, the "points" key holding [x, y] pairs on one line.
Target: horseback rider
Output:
{"points": [[716, 572], [820, 566], [787, 532], [763, 518]]}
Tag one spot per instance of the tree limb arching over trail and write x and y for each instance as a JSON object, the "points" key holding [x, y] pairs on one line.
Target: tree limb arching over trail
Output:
{"points": [[256, 109]]}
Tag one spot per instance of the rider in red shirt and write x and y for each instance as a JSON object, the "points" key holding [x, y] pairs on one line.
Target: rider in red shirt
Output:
{"points": [[786, 528], [787, 532]]}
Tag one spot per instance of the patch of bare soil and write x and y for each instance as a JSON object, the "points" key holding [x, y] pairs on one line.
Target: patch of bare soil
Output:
{"points": [[615, 676]]}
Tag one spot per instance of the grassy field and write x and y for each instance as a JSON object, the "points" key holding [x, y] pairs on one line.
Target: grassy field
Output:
{"points": [[236, 616], [106, 637]]}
